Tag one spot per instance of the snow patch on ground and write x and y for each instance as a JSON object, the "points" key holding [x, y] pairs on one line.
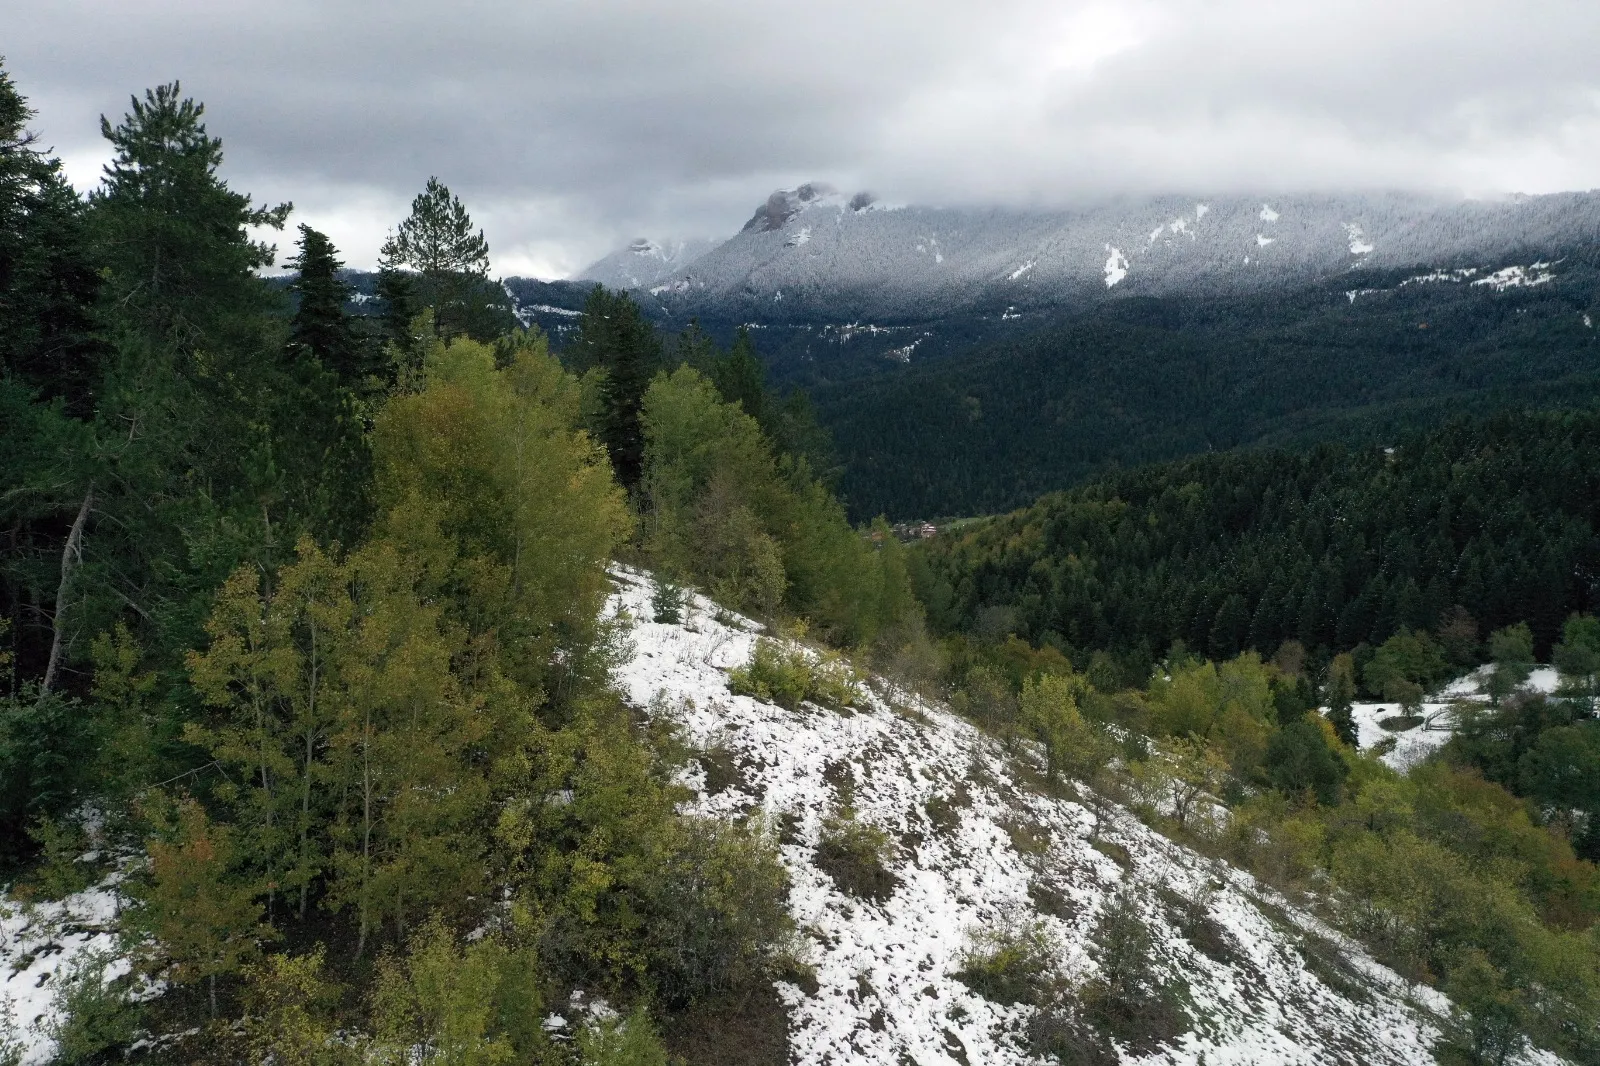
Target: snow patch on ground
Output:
{"points": [[886, 971], [1023, 269], [1518, 277], [1262, 242], [799, 237], [40, 944], [1359, 245], [1116, 266], [1439, 715], [1268, 214]]}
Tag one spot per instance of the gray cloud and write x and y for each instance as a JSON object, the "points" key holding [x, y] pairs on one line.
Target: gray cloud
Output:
{"points": [[571, 125]]}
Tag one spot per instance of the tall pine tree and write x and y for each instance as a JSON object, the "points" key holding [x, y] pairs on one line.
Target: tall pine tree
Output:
{"points": [[320, 326], [449, 264]]}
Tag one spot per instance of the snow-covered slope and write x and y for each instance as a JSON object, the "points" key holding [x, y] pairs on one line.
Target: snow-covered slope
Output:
{"points": [[644, 262], [886, 991], [815, 249]]}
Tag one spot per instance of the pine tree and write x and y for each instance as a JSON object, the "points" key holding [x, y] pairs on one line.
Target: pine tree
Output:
{"points": [[450, 264], [172, 233], [320, 326]]}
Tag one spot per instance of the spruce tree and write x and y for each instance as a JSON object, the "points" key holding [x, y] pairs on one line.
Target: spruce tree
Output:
{"points": [[615, 337], [48, 281], [741, 379], [320, 326]]}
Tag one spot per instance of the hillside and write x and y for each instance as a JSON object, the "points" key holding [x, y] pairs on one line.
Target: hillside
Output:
{"points": [[976, 844]]}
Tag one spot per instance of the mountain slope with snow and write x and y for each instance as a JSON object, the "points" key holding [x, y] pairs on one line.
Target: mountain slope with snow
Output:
{"points": [[886, 989], [813, 250]]}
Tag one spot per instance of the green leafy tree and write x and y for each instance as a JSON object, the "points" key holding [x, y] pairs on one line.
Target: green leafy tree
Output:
{"points": [[1511, 652], [203, 917], [1578, 658]]}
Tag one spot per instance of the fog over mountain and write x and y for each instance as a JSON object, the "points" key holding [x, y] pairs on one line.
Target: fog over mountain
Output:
{"points": [[570, 129], [815, 251]]}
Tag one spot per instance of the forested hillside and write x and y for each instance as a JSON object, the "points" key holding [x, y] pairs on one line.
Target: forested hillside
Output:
{"points": [[1138, 380], [304, 661], [1332, 547]]}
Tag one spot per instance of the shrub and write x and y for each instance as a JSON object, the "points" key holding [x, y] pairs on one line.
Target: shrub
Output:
{"points": [[718, 919], [622, 1042], [789, 675], [1014, 963], [93, 1015], [855, 855], [1129, 999]]}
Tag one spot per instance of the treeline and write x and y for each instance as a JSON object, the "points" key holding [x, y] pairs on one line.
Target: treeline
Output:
{"points": [[1141, 380], [302, 627], [1472, 527]]}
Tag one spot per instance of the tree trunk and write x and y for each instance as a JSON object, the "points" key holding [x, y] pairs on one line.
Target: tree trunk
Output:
{"points": [[71, 557]]}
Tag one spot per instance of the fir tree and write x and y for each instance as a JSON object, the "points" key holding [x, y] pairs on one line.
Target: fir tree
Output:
{"points": [[741, 379], [320, 326], [615, 338]]}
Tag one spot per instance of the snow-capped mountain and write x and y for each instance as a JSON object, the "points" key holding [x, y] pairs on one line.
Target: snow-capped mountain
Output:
{"points": [[813, 249], [644, 262]]}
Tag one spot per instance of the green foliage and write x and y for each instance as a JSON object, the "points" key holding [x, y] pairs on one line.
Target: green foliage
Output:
{"points": [[320, 327], [203, 919], [449, 264], [630, 1041], [1341, 694], [788, 674], [1129, 997], [1578, 658], [1073, 746], [1300, 760], [1014, 962], [47, 748], [1408, 658], [667, 602], [614, 337], [856, 855], [1511, 652], [290, 1012], [445, 1003], [93, 1016]]}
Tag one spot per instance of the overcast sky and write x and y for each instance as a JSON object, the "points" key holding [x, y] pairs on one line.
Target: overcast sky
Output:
{"points": [[570, 126]]}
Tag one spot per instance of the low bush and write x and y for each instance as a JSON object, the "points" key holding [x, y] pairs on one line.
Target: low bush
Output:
{"points": [[856, 856], [94, 1017], [1015, 963], [788, 675]]}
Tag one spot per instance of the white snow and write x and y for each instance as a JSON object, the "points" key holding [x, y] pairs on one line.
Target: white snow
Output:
{"points": [[886, 971], [1200, 211], [1588, 323], [1436, 276], [1116, 266], [39, 945], [1268, 214], [1518, 277], [1438, 715], [1359, 245], [1262, 242], [1023, 269], [799, 237]]}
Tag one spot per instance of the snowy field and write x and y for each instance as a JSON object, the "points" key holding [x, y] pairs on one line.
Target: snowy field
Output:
{"points": [[38, 944]]}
